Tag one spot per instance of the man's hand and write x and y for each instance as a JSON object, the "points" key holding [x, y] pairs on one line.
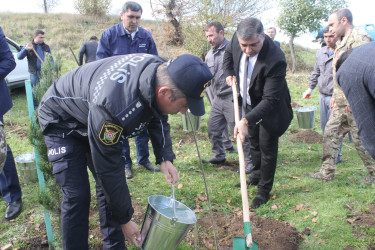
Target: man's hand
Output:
{"points": [[307, 94], [169, 171], [231, 79], [131, 233], [29, 46], [332, 102], [241, 130]]}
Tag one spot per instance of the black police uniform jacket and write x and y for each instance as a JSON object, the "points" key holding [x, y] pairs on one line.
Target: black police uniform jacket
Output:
{"points": [[269, 92], [105, 100]]}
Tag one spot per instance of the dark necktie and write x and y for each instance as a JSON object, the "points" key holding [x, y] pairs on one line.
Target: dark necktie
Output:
{"points": [[244, 87]]}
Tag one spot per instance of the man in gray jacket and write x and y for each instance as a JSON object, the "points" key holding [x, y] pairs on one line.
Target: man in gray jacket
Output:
{"points": [[88, 49], [322, 76], [221, 99]]}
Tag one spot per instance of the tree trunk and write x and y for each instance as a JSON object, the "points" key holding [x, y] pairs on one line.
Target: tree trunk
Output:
{"points": [[177, 38], [293, 54], [45, 7]]}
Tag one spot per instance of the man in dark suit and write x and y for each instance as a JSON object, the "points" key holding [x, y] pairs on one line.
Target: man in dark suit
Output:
{"points": [[10, 188], [260, 66]]}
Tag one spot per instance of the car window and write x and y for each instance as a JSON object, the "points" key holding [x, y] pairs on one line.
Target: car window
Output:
{"points": [[12, 48]]}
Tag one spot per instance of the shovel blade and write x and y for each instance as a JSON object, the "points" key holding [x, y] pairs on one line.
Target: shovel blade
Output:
{"points": [[239, 243]]}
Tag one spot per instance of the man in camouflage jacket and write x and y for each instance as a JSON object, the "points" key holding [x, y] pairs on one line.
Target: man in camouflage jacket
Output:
{"points": [[341, 120]]}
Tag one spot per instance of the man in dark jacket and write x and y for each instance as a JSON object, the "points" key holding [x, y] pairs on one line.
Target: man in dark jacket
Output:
{"points": [[260, 66], [122, 39], [10, 188], [88, 49], [356, 76], [35, 61], [88, 110]]}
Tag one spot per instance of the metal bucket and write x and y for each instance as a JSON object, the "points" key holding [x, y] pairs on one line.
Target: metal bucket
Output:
{"points": [[305, 117], [195, 121], [163, 227], [27, 167]]}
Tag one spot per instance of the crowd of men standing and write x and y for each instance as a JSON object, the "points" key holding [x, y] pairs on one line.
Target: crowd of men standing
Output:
{"points": [[251, 60]]}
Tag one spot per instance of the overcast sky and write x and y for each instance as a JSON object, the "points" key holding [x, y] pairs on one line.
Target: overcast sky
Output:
{"points": [[363, 12]]}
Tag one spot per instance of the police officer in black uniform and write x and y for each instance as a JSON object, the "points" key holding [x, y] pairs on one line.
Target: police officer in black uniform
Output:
{"points": [[84, 114]]}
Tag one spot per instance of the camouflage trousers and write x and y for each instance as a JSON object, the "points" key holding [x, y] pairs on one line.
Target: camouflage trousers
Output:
{"points": [[3, 147], [340, 123]]}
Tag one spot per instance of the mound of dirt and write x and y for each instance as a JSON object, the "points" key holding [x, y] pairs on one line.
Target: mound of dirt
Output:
{"points": [[306, 136], [268, 233]]}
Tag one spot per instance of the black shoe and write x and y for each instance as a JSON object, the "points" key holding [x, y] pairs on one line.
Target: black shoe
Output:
{"points": [[232, 149], [259, 200], [249, 167], [251, 181], [213, 161], [13, 210], [150, 166], [128, 173]]}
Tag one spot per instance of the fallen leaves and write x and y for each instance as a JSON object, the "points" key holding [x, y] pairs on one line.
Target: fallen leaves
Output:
{"points": [[180, 186], [299, 207], [237, 211], [200, 197], [351, 221], [6, 247], [208, 244], [275, 206]]}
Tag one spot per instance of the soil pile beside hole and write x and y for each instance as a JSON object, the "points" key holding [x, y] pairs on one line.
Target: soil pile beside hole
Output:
{"points": [[268, 233], [306, 136], [362, 223]]}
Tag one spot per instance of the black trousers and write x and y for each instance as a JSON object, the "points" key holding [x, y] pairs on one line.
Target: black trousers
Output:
{"points": [[70, 157], [263, 148]]}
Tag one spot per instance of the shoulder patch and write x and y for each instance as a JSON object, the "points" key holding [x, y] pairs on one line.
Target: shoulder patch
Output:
{"points": [[110, 133]]}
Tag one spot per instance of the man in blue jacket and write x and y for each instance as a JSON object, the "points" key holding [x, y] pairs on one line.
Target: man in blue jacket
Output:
{"points": [[35, 63], [10, 188], [88, 110], [356, 76], [122, 39]]}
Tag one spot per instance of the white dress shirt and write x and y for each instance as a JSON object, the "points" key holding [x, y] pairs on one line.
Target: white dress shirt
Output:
{"points": [[252, 61]]}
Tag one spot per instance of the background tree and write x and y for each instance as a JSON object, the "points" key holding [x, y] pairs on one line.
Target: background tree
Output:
{"points": [[299, 16], [229, 12], [92, 7], [48, 5], [172, 10]]}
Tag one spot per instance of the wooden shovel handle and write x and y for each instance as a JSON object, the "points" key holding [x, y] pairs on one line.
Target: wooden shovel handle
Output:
{"points": [[40, 59], [241, 156]]}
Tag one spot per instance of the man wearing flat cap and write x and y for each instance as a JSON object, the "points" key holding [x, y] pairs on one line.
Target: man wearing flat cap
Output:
{"points": [[88, 110]]}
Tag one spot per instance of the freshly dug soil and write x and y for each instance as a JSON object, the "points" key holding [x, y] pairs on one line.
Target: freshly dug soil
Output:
{"points": [[306, 136]]}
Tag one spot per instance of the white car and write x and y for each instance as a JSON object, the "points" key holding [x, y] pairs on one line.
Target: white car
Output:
{"points": [[17, 77]]}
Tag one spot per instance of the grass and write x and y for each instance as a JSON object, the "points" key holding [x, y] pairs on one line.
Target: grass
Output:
{"points": [[325, 202]]}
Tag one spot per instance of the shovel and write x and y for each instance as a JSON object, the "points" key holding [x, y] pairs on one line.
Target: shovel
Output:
{"points": [[240, 243]]}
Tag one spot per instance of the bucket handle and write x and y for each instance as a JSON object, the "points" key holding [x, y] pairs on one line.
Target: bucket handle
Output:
{"points": [[172, 203]]}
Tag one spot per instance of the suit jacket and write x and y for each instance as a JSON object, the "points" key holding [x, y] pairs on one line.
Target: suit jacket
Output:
{"points": [[269, 92], [7, 64]]}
